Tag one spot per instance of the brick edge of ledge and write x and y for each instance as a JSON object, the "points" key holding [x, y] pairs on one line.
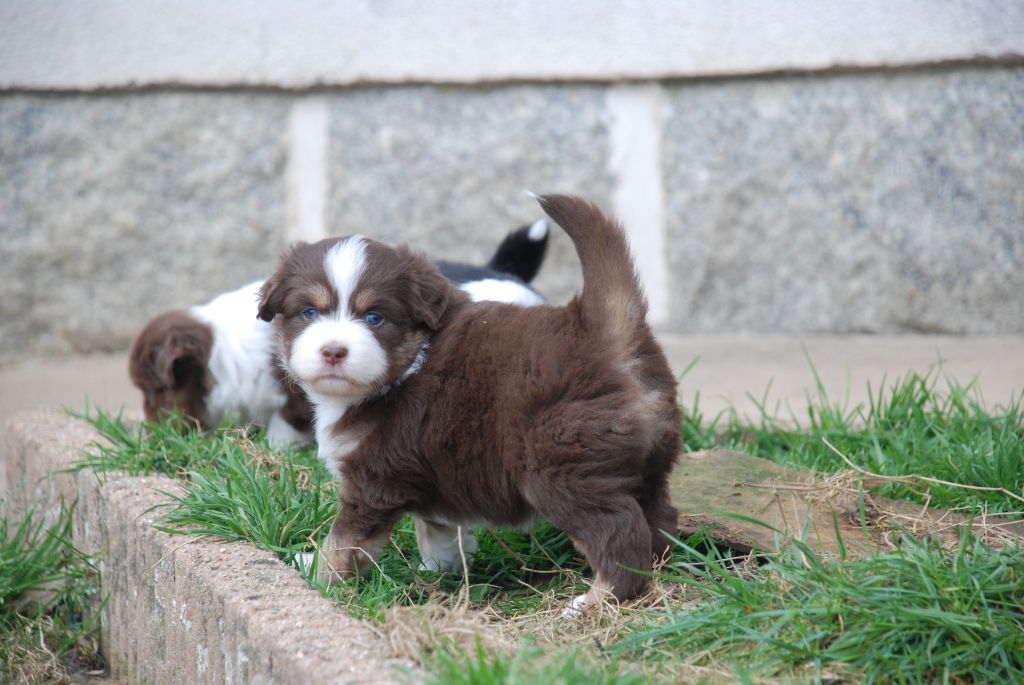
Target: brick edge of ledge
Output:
{"points": [[184, 609]]}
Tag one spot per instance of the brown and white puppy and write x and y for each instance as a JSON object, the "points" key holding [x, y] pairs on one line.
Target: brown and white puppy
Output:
{"points": [[483, 414], [215, 360], [218, 359]]}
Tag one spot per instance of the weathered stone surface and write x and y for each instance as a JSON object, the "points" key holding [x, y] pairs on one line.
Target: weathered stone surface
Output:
{"points": [[749, 503], [869, 202], [188, 610], [300, 43], [445, 169], [872, 202], [114, 208]]}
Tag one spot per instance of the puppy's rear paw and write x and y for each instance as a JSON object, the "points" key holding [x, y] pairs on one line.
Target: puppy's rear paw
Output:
{"points": [[574, 609]]}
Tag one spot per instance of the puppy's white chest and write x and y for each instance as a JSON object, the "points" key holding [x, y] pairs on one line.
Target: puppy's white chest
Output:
{"points": [[334, 446], [333, 449]]}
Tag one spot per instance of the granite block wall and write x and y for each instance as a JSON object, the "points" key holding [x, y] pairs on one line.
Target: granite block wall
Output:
{"points": [[881, 201], [114, 208]]}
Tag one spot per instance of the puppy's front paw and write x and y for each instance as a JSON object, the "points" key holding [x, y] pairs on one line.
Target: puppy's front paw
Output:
{"points": [[433, 565], [304, 562], [339, 563]]}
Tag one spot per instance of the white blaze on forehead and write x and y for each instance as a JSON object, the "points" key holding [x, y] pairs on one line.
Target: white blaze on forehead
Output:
{"points": [[365, 362], [344, 264]]}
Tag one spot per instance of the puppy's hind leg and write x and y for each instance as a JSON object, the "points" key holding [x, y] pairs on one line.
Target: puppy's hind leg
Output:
{"points": [[654, 498], [608, 527], [440, 546], [662, 519]]}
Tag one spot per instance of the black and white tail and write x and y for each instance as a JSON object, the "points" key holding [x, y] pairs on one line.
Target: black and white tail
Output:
{"points": [[522, 251]]}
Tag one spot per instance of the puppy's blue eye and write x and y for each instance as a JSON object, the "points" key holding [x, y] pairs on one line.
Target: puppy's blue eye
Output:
{"points": [[311, 313], [373, 318]]}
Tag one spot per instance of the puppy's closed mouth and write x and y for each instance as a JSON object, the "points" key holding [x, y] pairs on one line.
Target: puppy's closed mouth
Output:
{"points": [[335, 381], [333, 378]]}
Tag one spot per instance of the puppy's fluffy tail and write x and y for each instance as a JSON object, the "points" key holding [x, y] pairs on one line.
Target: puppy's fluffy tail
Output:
{"points": [[612, 299]]}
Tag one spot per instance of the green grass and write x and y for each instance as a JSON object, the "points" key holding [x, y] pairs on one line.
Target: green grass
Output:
{"points": [[512, 572], [159, 448], [46, 589], [281, 509], [528, 666], [916, 614], [926, 424], [237, 488]]}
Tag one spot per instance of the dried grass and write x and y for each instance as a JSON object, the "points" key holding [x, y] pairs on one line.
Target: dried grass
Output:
{"points": [[851, 491], [271, 461], [28, 657], [417, 632]]}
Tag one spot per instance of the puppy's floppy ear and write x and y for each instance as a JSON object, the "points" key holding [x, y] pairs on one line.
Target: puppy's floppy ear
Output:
{"points": [[272, 292], [181, 357], [171, 350], [162, 361], [429, 293], [271, 297], [178, 366]]}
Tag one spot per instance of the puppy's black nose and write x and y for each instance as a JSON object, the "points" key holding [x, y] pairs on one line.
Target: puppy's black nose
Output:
{"points": [[333, 354]]}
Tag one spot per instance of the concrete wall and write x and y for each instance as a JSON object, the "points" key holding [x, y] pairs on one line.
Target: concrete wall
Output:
{"points": [[881, 189], [116, 206], [86, 44], [855, 203]]}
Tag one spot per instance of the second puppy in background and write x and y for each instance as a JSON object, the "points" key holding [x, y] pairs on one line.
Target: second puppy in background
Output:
{"points": [[218, 359]]}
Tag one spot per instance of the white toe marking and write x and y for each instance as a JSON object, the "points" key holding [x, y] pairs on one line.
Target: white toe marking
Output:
{"points": [[437, 566], [304, 562], [575, 608]]}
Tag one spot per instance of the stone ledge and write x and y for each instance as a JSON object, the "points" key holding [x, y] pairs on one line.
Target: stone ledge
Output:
{"points": [[181, 609], [307, 43]]}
